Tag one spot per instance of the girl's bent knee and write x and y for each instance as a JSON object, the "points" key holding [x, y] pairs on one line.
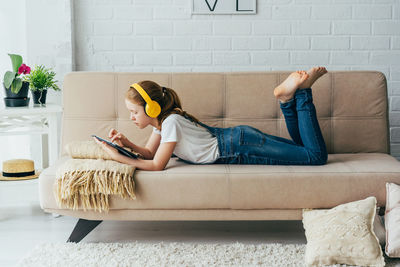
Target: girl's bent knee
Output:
{"points": [[323, 160], [320, 159]]}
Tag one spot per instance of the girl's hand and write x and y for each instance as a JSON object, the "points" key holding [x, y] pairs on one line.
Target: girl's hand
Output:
{"points": [[113, 152], [118, 138]]}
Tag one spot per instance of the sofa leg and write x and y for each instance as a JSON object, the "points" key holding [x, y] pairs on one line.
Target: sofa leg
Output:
{"points": [[381, 211], [82, 228]]}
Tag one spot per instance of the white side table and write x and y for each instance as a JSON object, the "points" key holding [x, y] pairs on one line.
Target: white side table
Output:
{"points": [[18, 194], [32, 120]]}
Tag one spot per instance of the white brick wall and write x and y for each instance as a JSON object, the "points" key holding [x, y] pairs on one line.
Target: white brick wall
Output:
{"points": [[162, 36]]}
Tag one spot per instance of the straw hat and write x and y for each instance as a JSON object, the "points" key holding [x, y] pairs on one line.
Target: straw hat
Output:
{"points": [[18, 169]]}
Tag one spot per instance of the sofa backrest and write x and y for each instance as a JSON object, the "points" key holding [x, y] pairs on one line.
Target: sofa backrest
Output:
{"points": [[351, 106]]}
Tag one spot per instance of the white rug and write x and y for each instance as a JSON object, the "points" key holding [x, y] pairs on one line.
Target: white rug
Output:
{"points": [[164, 254]]}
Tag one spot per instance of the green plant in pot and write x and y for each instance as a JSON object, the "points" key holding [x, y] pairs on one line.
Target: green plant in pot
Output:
{"points": [[16, 90], [40, 80]]}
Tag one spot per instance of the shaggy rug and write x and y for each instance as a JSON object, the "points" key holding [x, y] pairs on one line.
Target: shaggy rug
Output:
{"points": [[165, 254]]}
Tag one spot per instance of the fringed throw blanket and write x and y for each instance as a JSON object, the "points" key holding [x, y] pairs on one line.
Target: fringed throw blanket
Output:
{"points": [[87, 180]]}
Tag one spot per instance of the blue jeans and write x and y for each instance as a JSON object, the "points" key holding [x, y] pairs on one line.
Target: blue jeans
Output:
{"points": [[247, 145]]}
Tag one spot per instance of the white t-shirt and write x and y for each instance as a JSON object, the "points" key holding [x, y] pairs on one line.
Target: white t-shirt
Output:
{"points": [[194, 143]]}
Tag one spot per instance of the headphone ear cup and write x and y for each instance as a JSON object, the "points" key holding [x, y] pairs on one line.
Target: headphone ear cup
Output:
{"points": [[145, 109], [153, 110]]}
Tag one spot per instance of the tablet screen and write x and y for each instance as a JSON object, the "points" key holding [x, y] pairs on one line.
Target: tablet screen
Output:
{"points": [[121, 150]]}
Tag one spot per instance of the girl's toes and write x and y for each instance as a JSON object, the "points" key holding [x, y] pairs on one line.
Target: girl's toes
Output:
{"points": [[304, 77]]}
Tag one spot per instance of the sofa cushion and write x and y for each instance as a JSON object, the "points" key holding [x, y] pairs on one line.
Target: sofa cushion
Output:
{"points": [[345, 178], [348, 126], [178, 186]]}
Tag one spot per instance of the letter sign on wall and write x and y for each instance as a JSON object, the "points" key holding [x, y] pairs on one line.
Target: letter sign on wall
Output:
{"points": [[223, 6]]}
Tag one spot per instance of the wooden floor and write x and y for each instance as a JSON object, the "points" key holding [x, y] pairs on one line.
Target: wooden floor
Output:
{"points": [[23, 227]]}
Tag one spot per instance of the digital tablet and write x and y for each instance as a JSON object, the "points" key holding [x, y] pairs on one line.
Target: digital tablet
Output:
{"points": [[120, 149]]}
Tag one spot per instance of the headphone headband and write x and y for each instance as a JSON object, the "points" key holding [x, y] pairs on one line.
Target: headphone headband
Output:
{"points": [[142, 92], [152, 108]]}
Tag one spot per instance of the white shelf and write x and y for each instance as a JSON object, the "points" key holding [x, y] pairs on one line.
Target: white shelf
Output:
{"points": [[45, 131], [19, 193], [32, 120], [29, 110]]}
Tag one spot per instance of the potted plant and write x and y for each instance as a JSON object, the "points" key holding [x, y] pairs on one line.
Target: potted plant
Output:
{"points": [[41, 79], [16, 90]]}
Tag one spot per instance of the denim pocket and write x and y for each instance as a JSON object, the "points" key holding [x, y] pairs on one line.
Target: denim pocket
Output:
{"points": [[250, 136]]}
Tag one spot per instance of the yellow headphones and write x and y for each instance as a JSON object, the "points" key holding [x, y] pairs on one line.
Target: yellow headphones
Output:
{"points": [[152, 108]]}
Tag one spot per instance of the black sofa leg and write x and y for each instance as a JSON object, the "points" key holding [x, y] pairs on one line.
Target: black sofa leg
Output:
{"points": [[82, 228], [381, 211]]}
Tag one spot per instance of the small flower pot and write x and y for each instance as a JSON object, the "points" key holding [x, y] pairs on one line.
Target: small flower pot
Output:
{"points": [[39, 98], [20, 99], [16, 102]]}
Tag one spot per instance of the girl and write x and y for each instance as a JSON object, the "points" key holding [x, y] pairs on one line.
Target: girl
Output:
{"points": [[175, 131]]}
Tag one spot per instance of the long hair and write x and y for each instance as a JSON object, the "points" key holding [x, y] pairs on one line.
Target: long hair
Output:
{"points": [[167, 98]]}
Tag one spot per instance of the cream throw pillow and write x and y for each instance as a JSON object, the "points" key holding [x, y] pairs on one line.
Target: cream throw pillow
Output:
{"points": [[343, 235], [392, 220], [89, 150], [86, 150]]}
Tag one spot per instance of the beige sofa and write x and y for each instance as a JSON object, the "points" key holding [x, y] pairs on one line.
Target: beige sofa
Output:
{"points": [[352, 108]]}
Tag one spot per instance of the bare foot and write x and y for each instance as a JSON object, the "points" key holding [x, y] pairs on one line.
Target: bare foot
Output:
{"points": [[285, 91], [314, 74]]}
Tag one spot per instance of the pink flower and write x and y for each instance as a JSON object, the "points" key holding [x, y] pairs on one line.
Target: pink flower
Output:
{"points": [[24, 69]]}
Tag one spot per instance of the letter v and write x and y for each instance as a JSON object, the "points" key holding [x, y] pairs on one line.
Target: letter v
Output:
{"points": [[209, 7]]}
